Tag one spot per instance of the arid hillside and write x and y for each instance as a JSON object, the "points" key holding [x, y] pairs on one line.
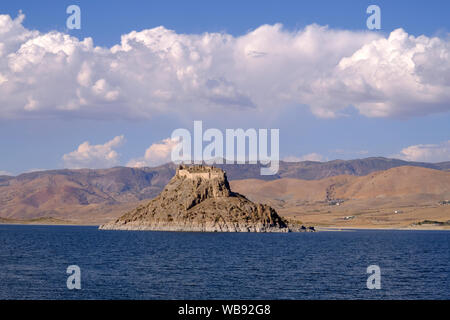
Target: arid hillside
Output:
{"points": [[397, 197], [82, 196]]}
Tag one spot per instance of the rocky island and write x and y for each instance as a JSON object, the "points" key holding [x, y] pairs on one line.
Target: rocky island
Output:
{"points": [[199, 198]]}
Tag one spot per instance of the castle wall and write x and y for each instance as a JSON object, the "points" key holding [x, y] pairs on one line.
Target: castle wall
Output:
{"points": [[201, 175]]}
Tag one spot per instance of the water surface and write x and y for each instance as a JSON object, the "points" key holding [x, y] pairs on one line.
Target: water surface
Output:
{"points": [[178, 265]]}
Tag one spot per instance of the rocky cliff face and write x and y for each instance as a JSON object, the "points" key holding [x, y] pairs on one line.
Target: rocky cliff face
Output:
{"points": [[199, 198]]}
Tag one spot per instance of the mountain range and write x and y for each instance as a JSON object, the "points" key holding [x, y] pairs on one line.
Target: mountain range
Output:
{"points": [[93, 196]]}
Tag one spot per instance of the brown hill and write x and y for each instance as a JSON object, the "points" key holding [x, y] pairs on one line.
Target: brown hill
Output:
{"points": [[395, 197], [83, 195], [398, 182], [395, 182]]}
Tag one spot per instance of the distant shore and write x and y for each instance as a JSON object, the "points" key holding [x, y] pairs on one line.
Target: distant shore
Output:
{"points": [[428, 228], [44, 222], [57, 222]]}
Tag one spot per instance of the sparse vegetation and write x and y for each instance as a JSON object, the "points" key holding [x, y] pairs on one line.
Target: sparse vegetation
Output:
{"points": [[41, 220], [432, 222]]}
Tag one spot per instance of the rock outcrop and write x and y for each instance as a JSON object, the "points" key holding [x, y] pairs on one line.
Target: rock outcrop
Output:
{"points": [[199, 198]]}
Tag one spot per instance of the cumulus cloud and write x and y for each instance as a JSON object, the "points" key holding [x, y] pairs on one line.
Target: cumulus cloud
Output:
{"points": [[94, 156], [426, 152], [307, 157], [157, 71], [157, 154], [401, 75]]}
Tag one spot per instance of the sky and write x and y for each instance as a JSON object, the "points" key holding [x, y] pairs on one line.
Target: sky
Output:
{"points": [[112, 92]]}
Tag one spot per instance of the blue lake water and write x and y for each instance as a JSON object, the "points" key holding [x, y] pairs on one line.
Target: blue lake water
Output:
{"points": [[178, 265]]}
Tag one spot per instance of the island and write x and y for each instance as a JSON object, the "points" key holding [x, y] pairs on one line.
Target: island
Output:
{"points": [[199, 198]]}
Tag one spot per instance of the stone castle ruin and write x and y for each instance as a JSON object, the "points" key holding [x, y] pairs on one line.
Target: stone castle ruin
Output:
{"points": [[200, 171]]}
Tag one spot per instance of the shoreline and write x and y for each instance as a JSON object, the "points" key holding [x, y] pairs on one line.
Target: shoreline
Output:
{"points": [[24, 223], [48, 224], [334, 228], [317, 228]]}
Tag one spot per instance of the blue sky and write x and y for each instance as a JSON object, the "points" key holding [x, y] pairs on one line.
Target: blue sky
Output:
{"points": [[107, 20], [40, 141]]}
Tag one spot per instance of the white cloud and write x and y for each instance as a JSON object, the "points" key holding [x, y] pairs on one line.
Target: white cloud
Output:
{"points": [[426, 152], [5, 173], [160, 71], [94, 156], [307, 157], [157, 154], [402, 75]]}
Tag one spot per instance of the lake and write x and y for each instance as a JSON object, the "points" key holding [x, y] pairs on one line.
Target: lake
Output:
{"points": [[182, 265]]}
